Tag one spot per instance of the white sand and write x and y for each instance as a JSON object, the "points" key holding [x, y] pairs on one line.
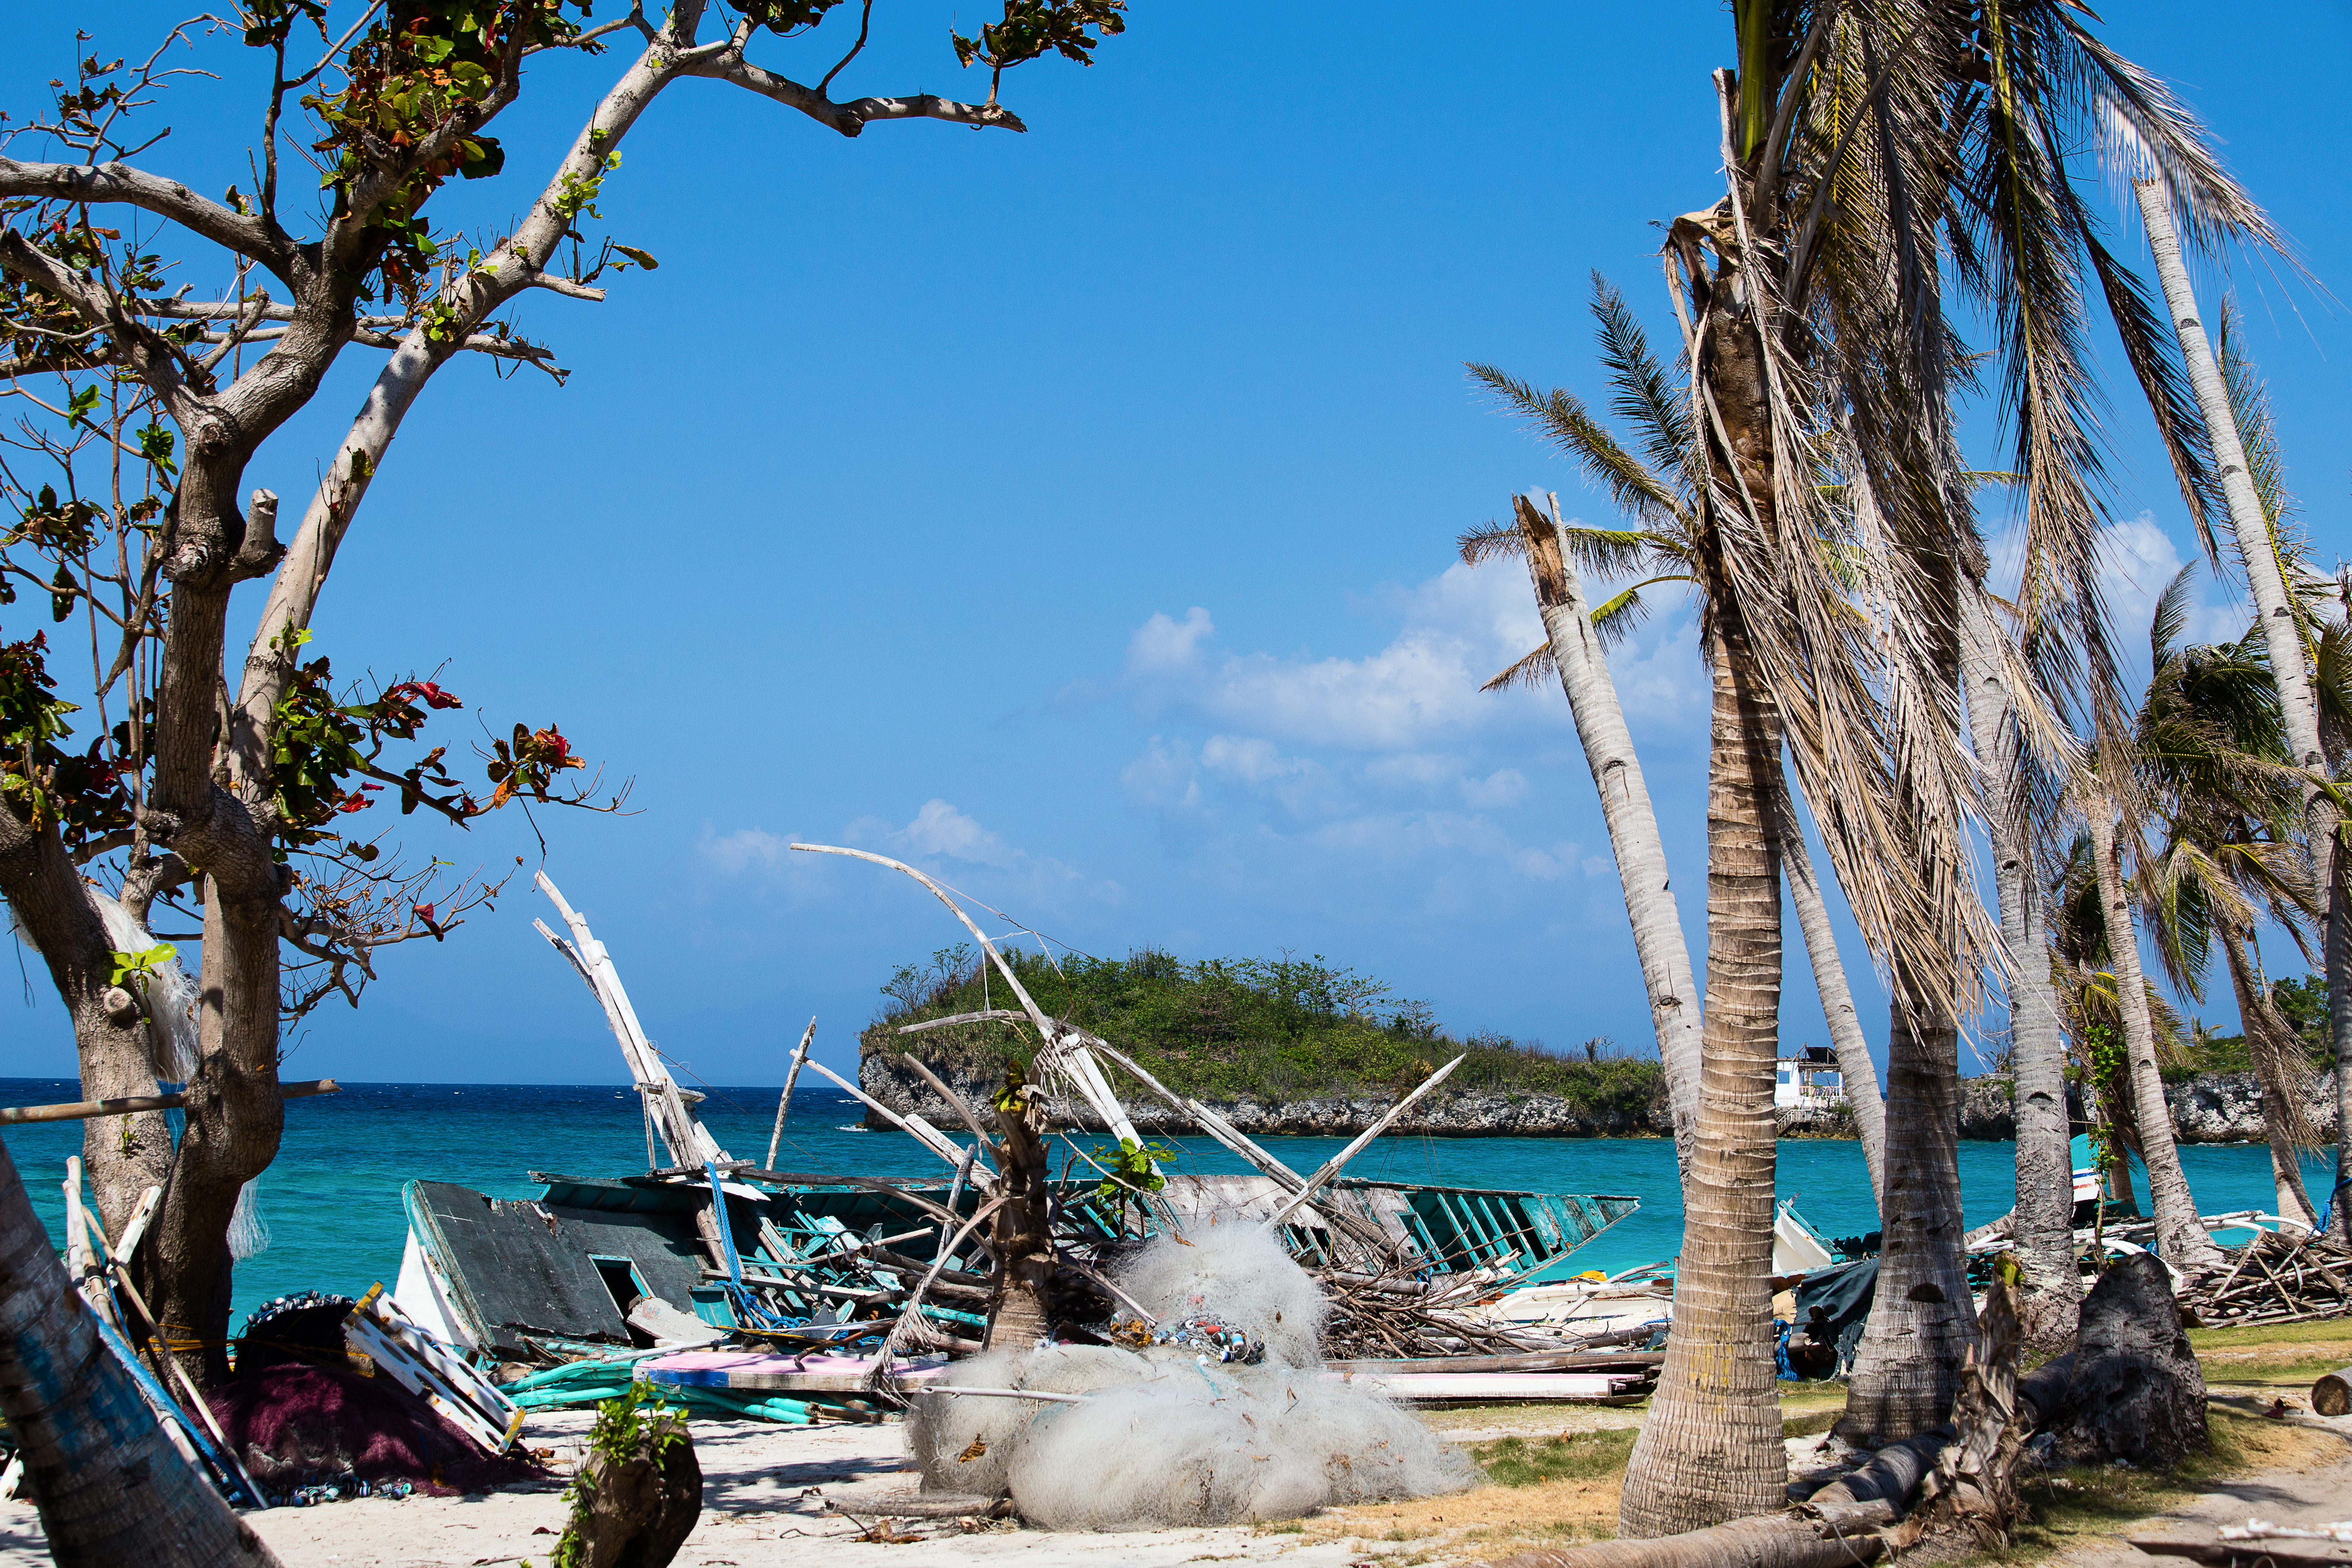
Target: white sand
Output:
{"points": [[764, 1490]]}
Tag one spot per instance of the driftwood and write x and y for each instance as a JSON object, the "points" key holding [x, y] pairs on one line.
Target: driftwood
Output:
{"points": [[129, 1104], [2277, 1280], [2252, 1554], [791, 1076]]}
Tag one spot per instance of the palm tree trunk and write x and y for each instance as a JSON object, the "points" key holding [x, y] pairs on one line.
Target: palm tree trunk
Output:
{"points": [[2258, 550], [2184, 1243], [1018, 1316], [1922, 1322], [1711, 1449], [1854, 1066], [2042, 1226], [1634, 838], [2274, 1050], [110, 1487]]}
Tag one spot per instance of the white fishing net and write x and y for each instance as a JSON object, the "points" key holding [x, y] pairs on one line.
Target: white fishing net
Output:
{"points": [[246, 1233], [1238, 1273], [1167, 1439]]}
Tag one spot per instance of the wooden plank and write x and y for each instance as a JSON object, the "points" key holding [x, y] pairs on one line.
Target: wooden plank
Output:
{"points": [[128, 1105], [1629, 1361]]}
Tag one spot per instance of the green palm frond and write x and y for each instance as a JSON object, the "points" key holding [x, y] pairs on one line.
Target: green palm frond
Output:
{"points": [[2171, 615], [1563, 418], [1625, 611], [1494, 542], [1646, 397], [1613, 552], [1536, 667]]}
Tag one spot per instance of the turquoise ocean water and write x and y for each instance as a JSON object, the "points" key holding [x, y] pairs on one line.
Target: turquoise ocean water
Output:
{"points": [[331, 1202]]}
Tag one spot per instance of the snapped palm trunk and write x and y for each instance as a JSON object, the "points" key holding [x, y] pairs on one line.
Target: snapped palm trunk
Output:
{"points": [[1633, 836], [110, 1486], [1711, 1450], [2043, 1227], [2184, 1242], [2258, 550]]}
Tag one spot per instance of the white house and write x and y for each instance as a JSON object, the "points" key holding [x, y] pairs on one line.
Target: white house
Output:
{"points": [[1808, 1078]]}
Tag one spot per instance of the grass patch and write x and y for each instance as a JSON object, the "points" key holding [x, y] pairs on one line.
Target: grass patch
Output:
{"points": [[1571, 1457], [1812, 1423], [2258, 1334], [2091, 1501]]}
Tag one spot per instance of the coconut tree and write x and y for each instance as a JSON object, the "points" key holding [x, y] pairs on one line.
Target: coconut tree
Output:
{"points": [[2050, 1284], [1868, 152], [2213, 755], [2284, 592], [1664, 547]]}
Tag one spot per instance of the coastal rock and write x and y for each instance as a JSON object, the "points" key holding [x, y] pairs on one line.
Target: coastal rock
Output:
{"points": [[2217, 1108], [2227, 1108], [1988, 1109], [1448, 1112]]}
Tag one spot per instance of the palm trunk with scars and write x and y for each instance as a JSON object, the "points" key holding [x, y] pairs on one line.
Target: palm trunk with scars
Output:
{"points": [[2257, 552], [1024, 1239], [1922, 1328], [2184, 1243], [1710, 1450], [1633, 837], [2051, 1282]]}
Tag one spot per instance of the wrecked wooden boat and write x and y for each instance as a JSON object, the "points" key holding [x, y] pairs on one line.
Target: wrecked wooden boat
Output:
{"points": [[711, 1246]]}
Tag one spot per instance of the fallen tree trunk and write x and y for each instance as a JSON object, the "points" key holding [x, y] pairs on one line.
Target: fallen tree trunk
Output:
{"points": [[1960, 1476], [2332, 1395], [1838, 1524]]}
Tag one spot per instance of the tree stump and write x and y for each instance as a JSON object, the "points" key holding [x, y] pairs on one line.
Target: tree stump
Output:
{"points": [[2132, 1390], [638, 1491]]}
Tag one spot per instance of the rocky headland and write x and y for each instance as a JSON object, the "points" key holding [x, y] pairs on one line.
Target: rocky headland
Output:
{"points": [[2213, 1108]]}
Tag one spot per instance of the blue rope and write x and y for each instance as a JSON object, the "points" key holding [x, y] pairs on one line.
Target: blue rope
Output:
{"points": [[748, 1307]]}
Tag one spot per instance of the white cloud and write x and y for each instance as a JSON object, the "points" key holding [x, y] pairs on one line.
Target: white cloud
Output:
{"points": [[2137, 561], [938, 829], [1459, 628], [1165, 778], [744, 850], [1249, 760]]}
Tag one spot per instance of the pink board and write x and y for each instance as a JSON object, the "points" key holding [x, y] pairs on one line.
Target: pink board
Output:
{"points": [[764, 1371]]}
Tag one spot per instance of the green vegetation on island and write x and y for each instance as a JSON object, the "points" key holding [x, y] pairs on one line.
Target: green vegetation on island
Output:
{"points": [[1270, 1029]]}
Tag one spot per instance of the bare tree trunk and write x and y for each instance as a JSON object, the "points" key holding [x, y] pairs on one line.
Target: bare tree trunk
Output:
{"points": [[2051, 1282], [1633, 837], [2185, 1243], [1710, 1450], [2276, 1054], [110, 1487], [1854, 1067], [1018, 1317], [2257, 552], [126, 1155]]}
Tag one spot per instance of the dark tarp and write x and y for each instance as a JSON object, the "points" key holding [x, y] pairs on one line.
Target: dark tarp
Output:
{"points": [[1842, 1294]]}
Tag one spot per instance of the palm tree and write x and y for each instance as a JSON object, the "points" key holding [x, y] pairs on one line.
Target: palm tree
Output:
{"points": [[1867, 149], [2284, 594], [2214, 755], [1666, 548], [110, 1487], [2050, 1284]]}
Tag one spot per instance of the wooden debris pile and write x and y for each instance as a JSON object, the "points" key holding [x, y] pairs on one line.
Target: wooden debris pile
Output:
{"points": [[2276, 1278]]}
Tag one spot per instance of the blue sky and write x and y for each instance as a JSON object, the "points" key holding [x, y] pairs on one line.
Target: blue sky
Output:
{"points": [[1072, 513]]}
